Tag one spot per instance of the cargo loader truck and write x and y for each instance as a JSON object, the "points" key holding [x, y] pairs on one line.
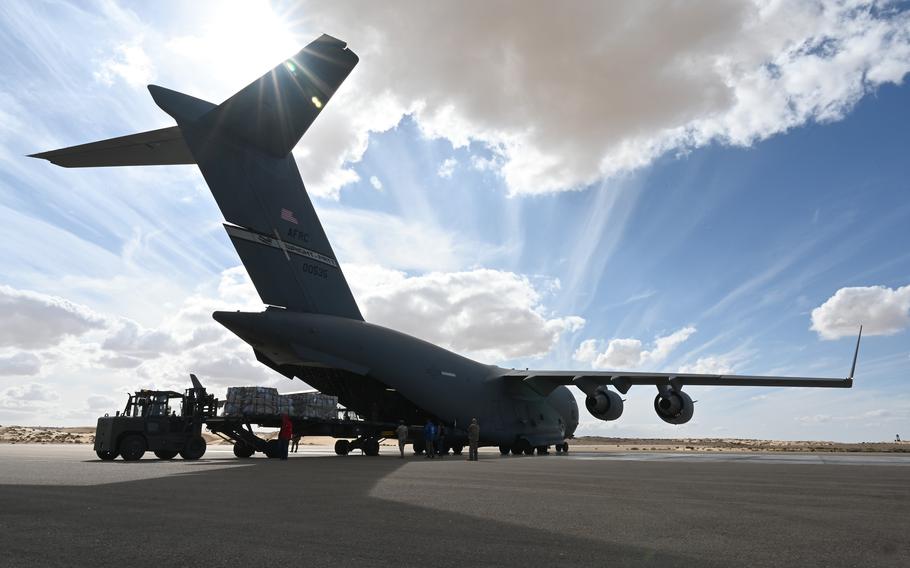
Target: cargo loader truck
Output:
{"points": [[152, 421]]}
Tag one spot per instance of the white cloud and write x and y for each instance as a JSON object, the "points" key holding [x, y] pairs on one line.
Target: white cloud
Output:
{"points": [[27, 397], [711, 365], [374, 181], [129, 339], [22, 363], [614, 85], [489, 314], [628, 353], [100, 402], [370, 237], [30, 320], [880, 310], [130, 63], [447, 168]]}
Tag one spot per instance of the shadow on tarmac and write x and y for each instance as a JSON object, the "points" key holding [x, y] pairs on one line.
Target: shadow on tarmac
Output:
{"points": [[310, 511]]}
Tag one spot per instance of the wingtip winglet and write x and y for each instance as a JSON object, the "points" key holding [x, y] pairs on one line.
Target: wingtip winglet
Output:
{"points": [[855, 354]]}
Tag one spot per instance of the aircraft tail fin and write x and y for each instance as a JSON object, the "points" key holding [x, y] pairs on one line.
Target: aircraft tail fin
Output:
{"points": [[243, 149]]}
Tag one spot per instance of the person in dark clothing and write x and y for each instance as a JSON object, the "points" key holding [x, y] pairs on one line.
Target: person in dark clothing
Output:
{"points": [[402, 433], [285, 435], [441, 449], [295, 442], [429, 439], [473, 439]]}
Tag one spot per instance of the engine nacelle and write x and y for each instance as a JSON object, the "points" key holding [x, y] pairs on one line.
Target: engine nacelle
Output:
{"points": [[604, 404], [674, 407]]}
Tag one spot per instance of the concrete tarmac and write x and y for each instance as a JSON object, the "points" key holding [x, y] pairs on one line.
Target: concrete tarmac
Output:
{"points": [[59, 506]]}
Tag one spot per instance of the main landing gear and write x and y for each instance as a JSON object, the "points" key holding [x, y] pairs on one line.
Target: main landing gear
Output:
{"points": [[523, 447], [369, 446]]}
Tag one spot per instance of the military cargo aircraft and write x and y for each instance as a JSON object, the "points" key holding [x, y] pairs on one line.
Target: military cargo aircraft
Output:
{"points": [[312, 328]]}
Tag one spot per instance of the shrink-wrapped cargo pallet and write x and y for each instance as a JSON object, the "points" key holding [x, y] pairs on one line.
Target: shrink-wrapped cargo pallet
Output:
{"points": [[255, 401], [265, 401], [313, 405]]}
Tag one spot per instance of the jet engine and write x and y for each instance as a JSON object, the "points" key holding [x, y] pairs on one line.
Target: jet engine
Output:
{"points": [[674, 406], [604, 404]]}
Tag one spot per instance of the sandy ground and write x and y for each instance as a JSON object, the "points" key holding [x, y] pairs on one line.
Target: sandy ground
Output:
{"points": [[85, 435]]}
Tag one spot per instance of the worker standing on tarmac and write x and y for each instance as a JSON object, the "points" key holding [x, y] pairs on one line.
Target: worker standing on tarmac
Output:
{"points": [[295, 442], [429, 437], [402, 433], [473, 439], [284, 435], [441, 440]]}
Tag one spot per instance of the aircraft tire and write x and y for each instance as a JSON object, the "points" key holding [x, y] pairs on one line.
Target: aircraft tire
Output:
{"points": [[504, 450], [193, 449], [529, 451], [542, 450], [342, 447], [272, 449], [106, 456], [371, 447], [565, 447], [242, 450], [133, 447], [165, 454], [457, 450]]}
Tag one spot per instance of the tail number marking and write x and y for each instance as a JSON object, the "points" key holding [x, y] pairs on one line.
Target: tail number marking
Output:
{"points": [[316, 271]]}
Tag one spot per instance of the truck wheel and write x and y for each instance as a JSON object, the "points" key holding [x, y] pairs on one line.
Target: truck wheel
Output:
{"points": [[165, 454], [106, 456], [132, 447], [342, 447], [371, 447], [504, 450], [242, 450], [193, 449], [456, 450]]}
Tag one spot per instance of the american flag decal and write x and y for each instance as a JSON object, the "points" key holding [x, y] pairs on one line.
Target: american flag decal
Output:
{"points": [[288, 215]]}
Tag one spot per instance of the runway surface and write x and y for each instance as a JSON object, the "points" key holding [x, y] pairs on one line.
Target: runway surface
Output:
{"points": [[61, 507]]}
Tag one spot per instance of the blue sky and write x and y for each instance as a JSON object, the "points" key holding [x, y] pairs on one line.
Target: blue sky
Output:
{"points": [[711, 201]]}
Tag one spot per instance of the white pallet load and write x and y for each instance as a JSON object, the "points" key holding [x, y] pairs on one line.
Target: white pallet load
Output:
{"points": [[251, 401], [314, 405]]}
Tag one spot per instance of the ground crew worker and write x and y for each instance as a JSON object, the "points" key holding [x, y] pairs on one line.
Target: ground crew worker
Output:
{"points": [[441, 440], [429, 437], [473, 439], [284, 436], [402, 432], [295, 441]]}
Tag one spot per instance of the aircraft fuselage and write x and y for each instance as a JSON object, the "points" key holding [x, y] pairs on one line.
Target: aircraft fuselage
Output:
{"points": [[443, 384]]}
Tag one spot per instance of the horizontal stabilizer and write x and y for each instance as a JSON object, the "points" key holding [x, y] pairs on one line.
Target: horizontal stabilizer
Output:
{"points": [[153, 148]]}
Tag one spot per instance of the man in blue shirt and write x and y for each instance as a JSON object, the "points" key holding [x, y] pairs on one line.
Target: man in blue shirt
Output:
{"points": [[429, 439]]}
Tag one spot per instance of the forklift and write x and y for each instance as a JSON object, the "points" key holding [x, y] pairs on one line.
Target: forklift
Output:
{"points": [[148, 423]]}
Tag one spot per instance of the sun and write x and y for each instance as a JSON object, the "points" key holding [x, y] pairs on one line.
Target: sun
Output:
{"points": [[237, 40]]}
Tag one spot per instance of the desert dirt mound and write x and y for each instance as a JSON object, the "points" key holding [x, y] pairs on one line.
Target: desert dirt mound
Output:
{"points": [[46, 435]]}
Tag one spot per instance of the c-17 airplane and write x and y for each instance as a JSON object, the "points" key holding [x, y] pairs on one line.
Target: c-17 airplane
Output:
{"points": [[312, 328]]}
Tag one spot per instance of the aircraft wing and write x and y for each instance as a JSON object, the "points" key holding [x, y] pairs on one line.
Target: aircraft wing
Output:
{"points": [[544, 382]]}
